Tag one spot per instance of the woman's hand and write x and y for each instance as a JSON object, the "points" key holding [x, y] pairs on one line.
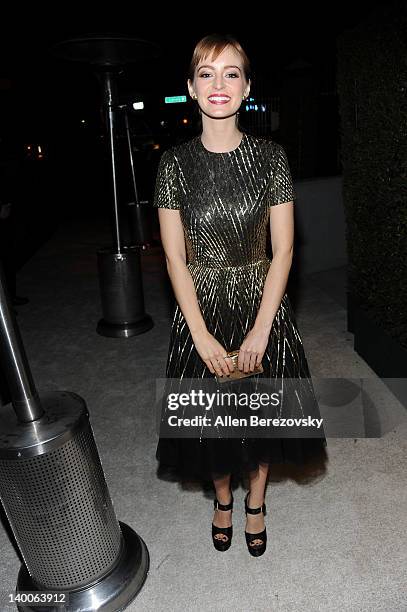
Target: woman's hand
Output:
{"points": [[212, 353], [252, 349]]}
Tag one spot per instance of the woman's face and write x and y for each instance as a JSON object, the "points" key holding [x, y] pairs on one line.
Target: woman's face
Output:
{"points": [[221, 76]]}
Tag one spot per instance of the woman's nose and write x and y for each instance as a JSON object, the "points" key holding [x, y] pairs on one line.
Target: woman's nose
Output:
{"points": [[219, 82]]}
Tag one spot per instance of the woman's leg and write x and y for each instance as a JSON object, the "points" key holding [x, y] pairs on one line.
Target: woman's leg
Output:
{"points": [[223, 518], [258, 479]]}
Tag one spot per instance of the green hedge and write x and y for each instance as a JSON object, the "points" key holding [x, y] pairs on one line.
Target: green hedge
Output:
{"points": [[372, 91]]}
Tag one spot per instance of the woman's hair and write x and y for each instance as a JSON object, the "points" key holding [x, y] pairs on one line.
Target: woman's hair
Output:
{"points": [[212, 46]]}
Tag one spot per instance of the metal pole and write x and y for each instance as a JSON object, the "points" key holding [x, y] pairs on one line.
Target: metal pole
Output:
{"points": [[14, 363], [110, 101], [133, 174]]}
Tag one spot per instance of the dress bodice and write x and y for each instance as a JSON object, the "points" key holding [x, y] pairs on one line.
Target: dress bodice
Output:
{"points": [[224, 198]]}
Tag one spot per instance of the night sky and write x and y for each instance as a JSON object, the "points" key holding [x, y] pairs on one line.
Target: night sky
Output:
{"points": [[40, 92]]}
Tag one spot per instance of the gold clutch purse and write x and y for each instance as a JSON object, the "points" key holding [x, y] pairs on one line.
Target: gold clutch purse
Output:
{"points": [[236, 374]]}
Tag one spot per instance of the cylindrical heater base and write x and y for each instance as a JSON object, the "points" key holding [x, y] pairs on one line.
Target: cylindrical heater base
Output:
{"points": [[121, 289], [112, 593], [56, 499]]}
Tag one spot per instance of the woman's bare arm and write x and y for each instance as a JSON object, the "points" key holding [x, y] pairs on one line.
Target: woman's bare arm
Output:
{"points": [[173, 241], [282, 238], [172, 238]]}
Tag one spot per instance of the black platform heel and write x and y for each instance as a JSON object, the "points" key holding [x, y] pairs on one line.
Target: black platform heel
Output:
{"points": [[258, 548], [223, 543]]}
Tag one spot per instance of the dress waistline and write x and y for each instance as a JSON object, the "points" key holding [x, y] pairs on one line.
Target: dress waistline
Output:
{"points": [[220, 266]]}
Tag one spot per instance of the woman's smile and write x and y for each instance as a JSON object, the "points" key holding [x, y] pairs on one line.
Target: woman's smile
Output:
{"points": [[219, 99]]}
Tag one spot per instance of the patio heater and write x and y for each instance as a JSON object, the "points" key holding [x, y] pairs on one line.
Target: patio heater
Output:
{"points": [[120, 277]]}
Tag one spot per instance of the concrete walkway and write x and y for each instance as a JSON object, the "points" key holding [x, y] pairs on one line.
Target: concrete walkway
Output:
{"points": [[336, 544]]}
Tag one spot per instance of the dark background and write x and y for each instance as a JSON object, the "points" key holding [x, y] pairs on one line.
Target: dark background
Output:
{"points": [[56, 104], [45, 96]]}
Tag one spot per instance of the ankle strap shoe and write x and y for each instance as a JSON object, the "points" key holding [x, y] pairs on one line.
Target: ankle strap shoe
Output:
{"points": [[256, 542], [223, 542]]}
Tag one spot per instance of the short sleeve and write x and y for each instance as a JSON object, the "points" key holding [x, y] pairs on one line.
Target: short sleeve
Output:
{"points": [[281, 187], [166, 192]]}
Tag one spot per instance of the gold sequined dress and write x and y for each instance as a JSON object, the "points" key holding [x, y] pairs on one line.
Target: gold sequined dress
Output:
{"points": [[224, 201]]}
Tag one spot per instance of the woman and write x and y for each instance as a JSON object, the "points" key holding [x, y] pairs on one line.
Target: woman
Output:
{"points": [[216, 194]]}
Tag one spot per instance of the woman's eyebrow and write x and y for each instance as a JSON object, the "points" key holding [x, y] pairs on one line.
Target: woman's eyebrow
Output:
{"points": [[209, 66]]}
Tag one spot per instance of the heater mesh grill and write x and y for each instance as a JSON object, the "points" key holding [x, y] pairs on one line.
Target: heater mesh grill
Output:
{"points": [[60, 510]]}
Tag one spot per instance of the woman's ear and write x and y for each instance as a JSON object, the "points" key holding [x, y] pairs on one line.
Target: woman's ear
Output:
{"points": [[191, 92], [247, 92]]}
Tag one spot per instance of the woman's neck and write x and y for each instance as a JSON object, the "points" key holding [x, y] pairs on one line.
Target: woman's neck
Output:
{"points": [[221, 142]]}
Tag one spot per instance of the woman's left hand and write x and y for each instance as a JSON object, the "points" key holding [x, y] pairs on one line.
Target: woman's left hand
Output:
{"points": [[252, 349]]}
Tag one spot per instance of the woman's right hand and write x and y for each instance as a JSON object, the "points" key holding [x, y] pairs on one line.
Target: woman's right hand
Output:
{"points": [[212, 353]]}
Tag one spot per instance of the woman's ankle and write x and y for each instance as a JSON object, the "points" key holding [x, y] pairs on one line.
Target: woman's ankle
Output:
{"points": [[254, 501], [224, 499]]}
